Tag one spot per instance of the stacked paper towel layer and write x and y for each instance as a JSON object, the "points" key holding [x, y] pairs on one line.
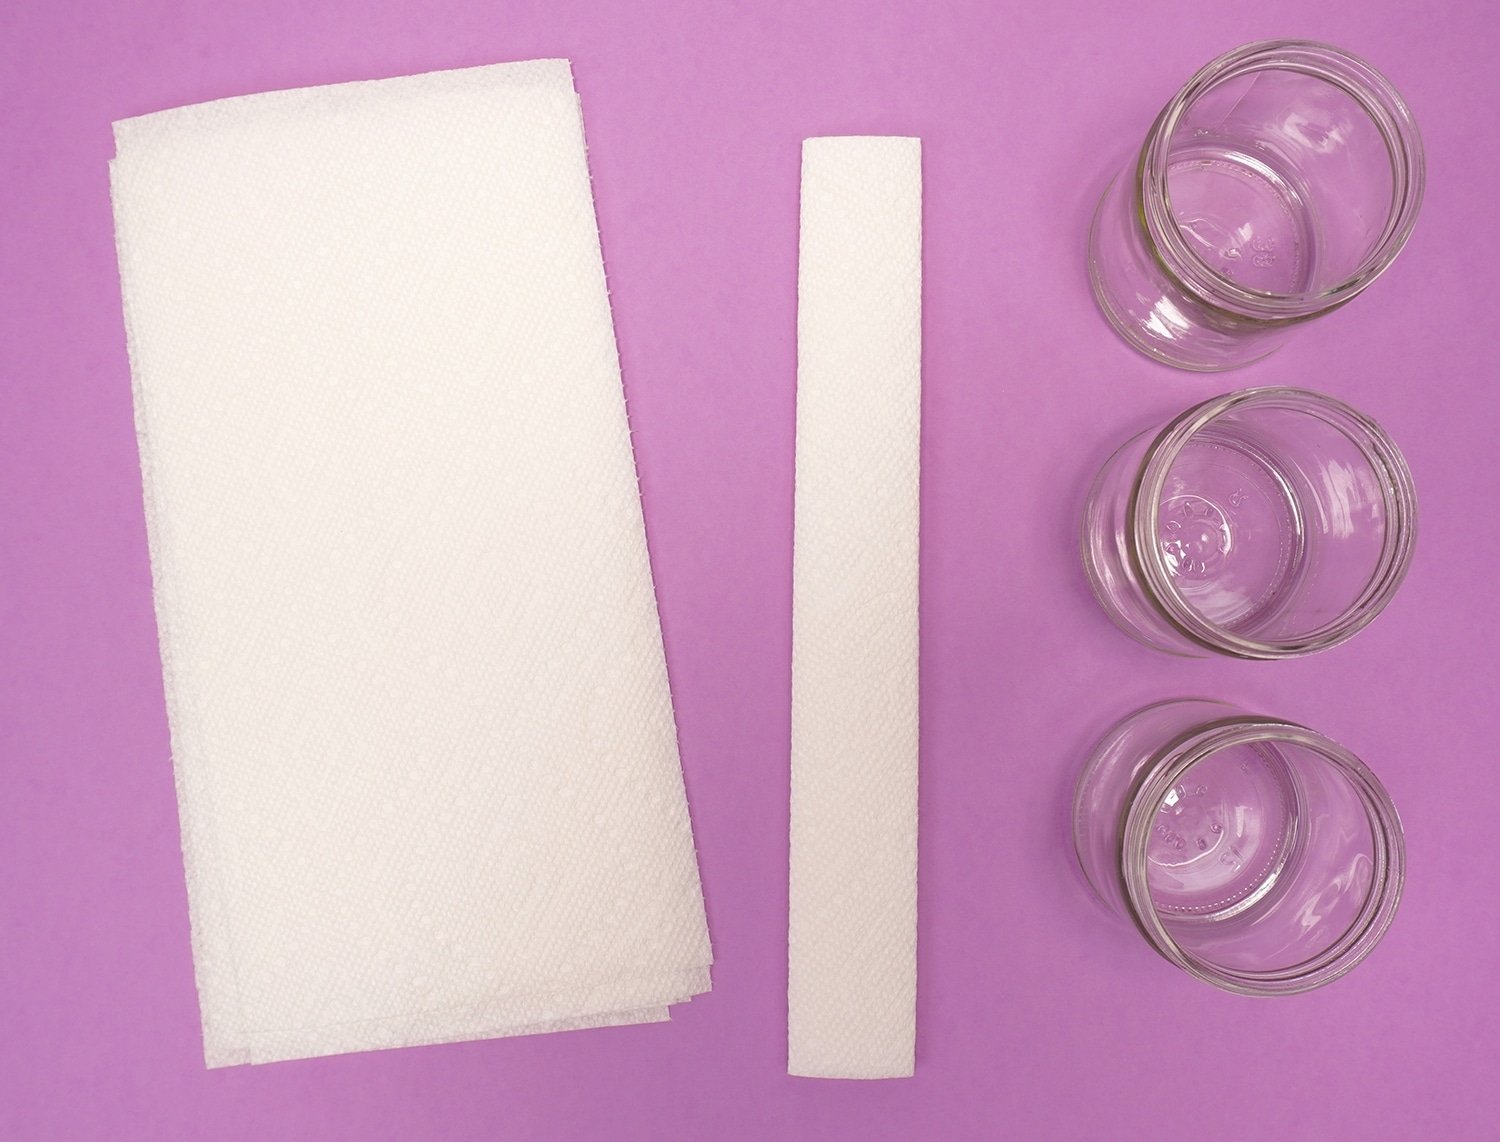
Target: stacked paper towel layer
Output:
{"points": [[426, 764]]}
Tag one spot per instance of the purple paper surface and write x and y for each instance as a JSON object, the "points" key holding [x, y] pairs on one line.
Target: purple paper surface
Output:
{"points": [[1039, 1015]]}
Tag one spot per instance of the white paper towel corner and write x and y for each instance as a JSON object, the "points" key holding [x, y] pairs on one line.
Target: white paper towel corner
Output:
{"points": [[851, 1003], [426, 764]]}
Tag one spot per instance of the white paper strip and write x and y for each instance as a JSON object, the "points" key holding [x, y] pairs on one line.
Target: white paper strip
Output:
{"points": [[852, 946], [426, 764]]}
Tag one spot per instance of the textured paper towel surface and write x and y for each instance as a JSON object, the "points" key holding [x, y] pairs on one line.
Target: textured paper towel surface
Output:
{"points": [[425, 756], [853, 923]]}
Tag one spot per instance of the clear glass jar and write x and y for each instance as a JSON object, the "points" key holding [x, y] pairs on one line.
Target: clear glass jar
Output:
{"points": [[1251, 852], [1266, 523], [1277, 184]]}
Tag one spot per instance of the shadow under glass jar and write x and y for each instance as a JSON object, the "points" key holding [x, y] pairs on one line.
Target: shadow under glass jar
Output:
{"points": [[1276, 185], [1254, 853], [1267, 523]]}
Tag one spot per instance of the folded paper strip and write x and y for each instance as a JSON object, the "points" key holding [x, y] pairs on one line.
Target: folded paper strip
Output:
{"points": [[853, 924]]}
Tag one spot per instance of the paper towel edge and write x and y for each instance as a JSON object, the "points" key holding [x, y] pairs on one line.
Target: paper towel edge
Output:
{"points": [[189, 114], [249, 1056], [639, 502], [192, 837]]}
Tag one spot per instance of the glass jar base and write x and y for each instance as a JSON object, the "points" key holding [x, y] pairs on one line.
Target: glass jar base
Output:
{"points": [[1222, 836], [1243, 217], [1229, 531], [1146, 309]]}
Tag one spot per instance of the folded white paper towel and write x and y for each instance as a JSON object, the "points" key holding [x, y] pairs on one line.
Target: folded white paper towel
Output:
{"points": [[426, 764], [853, 924]]}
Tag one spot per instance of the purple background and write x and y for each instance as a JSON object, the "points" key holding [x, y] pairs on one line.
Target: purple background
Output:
{"points": [[1039, 1016]]}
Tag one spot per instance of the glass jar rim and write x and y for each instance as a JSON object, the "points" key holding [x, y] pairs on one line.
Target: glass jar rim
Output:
{"points": [[1167, 766], [1150, 564], [1362, 82]]}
